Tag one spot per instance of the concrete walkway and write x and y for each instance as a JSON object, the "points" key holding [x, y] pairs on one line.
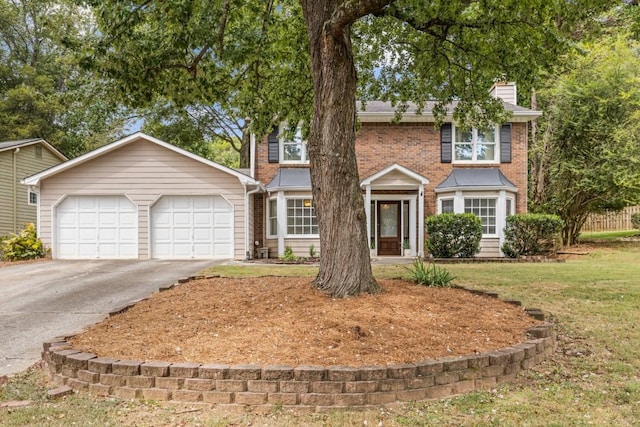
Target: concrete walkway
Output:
{"points": [[42, 300]]}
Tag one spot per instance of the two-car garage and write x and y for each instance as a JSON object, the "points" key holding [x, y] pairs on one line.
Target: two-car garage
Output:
{"points": [[180, 227], [141, 198]]}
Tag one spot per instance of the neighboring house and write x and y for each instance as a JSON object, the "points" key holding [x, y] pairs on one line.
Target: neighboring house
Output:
{"points": [[408, 170], [18, 159], [140, 198]]}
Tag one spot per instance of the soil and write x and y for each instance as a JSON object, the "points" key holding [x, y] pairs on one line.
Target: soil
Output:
{"points": [[284, 321]]}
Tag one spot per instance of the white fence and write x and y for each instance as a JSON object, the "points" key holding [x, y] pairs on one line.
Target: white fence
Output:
{"points": [[611, 221]]}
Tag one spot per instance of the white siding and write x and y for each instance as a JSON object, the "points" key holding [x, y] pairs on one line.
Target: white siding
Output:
{"points": [[142, 171]]}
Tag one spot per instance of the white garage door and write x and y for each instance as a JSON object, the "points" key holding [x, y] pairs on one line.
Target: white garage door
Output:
{"points": [[191, 227], [89, 227]]}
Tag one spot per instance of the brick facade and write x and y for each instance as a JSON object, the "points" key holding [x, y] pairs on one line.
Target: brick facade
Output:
{"points": [[412, 145]]}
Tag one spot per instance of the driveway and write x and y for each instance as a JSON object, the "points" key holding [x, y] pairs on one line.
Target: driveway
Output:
{"points": [[42, 300]]}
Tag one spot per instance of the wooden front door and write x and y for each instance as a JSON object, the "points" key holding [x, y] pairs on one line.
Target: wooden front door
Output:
{"points": [[388, 228]]}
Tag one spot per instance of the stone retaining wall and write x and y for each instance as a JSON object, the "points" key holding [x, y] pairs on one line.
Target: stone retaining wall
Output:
{"points": [[313, 388]]}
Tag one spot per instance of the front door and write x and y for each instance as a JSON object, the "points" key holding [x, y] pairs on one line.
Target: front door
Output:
{"points": [[388, 228]]}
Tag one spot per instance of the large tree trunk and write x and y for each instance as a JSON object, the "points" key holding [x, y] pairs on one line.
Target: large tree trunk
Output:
{"points": [[345, 265]]}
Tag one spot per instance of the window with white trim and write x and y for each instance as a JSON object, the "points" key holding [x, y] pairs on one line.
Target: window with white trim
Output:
{"points": [[475, 145], [272, 215], [295, 150], [32, 198], [485, 209], [446, 206], [301, 218], [509, 206]]}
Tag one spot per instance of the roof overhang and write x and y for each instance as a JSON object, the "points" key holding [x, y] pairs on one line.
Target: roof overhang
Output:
{"points": [[290, 179], [35, 179], [476, 179], [12, 145], [384, 112], [413, 179]]}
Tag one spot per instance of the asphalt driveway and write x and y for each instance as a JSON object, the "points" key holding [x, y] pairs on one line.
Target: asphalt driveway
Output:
{"points": [[42, 300]]}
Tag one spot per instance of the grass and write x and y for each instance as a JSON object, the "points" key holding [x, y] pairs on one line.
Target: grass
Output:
{"points": [[599, 236], [591, 380]]}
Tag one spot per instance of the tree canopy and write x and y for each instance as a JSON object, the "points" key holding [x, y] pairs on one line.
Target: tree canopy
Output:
{"points": [[283, 61], [588, 155], [43, 92]]}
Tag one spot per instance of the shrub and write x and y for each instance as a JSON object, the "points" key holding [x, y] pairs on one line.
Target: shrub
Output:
{"points": [[312, 251], [454, 235], [288, 254], [635, 220], [530, 234], [430, 275], [25, 245]]}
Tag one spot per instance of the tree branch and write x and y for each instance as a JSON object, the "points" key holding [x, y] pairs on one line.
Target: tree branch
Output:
{"points": [[352, 10], [223, 26]]}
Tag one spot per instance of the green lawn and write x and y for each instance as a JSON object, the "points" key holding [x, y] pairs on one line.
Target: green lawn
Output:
{"points": [[592, 380]]}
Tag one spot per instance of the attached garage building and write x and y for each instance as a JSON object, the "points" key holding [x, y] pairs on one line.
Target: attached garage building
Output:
{"points": [[140, 197]]}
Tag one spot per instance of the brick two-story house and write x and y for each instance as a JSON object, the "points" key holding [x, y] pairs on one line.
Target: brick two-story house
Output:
{"points": [[408, 170]]}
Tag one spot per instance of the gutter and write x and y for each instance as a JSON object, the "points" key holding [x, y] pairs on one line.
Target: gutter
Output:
{"points": [[259, 188], [15, 189]]}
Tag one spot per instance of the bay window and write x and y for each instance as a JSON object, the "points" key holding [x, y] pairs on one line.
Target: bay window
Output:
{"points": [[485, 209], [301, 217]]}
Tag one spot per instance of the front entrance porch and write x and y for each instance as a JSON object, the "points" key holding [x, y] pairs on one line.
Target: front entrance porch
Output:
{"points": [[394, 204]]}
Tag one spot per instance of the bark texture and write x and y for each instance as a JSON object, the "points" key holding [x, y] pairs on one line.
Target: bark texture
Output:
{"points": [[345, 265]]}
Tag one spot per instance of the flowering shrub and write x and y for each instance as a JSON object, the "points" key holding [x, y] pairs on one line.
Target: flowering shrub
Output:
{"points": [[25, 245]]}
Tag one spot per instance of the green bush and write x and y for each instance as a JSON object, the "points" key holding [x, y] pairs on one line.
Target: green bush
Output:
{"points": [[635, 220], [25, 245], [430, 275], [530, 234], [454, 235], [288, 254]]}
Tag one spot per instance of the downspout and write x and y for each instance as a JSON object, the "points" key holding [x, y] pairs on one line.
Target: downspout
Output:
{"points": [[15, 189], [247, 244], [252, 155]]}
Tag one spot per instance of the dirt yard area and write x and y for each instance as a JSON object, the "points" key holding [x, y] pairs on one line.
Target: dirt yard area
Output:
{"points": [[279, 320]]}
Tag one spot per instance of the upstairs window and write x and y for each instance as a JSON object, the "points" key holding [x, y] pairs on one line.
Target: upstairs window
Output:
{"points": [[295, 150], [475, 145]]}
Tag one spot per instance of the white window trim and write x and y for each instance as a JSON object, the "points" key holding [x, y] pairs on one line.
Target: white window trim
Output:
{"points": [[269, 230], [29, 202], [474, 141], [497, 212], [304, 151], [442, 199], [286, 219]]}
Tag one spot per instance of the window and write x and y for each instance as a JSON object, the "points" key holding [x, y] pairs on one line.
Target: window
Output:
{"points": [[509, 207], [295, 151], [485, 209], [475, 145], [273, 217], [446, 206], [301, 217], [33, 198], [38, 151]]}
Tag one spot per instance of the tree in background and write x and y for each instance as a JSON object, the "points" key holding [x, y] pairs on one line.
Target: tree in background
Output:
{"points": [[192, 130], [588, 151], [303, 63], [43, 92]]}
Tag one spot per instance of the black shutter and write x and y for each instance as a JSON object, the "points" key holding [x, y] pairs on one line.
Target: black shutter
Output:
{"points": [[273, 146], [505, 143], [445, 143]]}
